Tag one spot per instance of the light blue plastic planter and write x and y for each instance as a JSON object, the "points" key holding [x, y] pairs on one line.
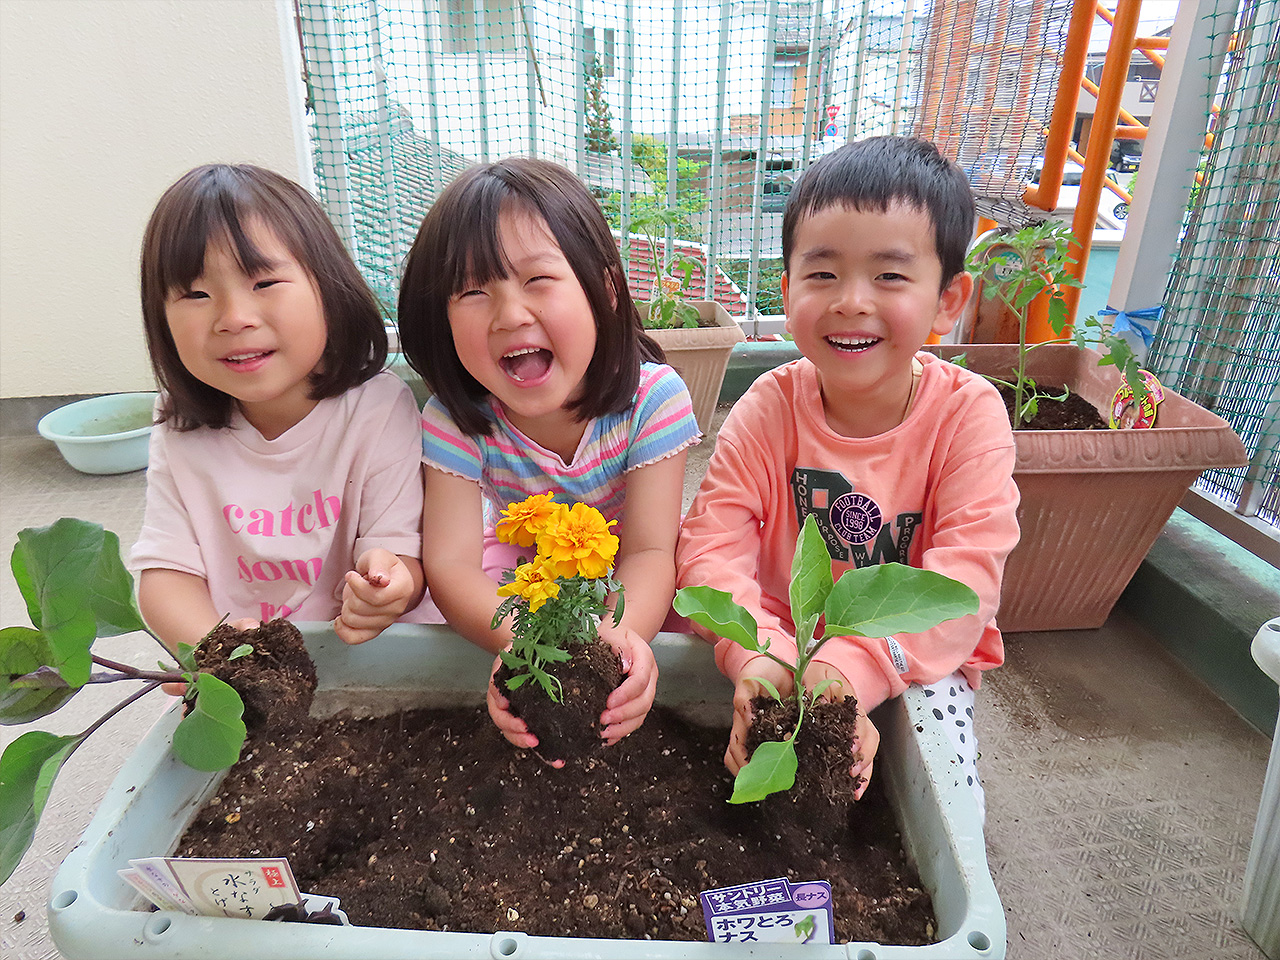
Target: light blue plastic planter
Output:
{"points": [[94, 914], [98, 435], [1261, 914]]}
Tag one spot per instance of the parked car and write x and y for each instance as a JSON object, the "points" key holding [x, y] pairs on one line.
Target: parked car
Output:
{"points": [[1126, 155], [1113, 210]]}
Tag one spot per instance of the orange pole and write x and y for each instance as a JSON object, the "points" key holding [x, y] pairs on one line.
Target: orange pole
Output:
{"points": [[1063, 119], [1115, 71]]}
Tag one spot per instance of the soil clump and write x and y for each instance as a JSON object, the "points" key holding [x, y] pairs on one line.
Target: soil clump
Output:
{"points": [[570, 728]]}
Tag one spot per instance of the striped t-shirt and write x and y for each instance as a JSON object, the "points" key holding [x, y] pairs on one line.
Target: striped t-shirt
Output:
{"points": [[509, 466]]}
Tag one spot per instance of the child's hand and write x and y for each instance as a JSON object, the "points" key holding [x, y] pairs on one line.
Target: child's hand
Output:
{"points": [[629, 704], [375, 593], [735, 757], [866, 738], [515, 730], [244, 624]]}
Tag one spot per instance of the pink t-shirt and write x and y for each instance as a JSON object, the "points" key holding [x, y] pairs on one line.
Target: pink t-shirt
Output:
{"points": [[273, 525]]}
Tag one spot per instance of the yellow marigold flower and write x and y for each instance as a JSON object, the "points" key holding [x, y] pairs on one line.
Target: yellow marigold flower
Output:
{"points": [[535, 582], [522, 522], [579, 543]]}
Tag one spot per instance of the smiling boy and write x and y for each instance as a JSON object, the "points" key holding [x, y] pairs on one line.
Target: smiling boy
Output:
{"points": [[898, 456]]}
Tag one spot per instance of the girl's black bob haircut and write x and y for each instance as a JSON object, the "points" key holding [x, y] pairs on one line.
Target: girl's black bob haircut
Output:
{"points": [[221, 203], [458, 246], [875, 173]]}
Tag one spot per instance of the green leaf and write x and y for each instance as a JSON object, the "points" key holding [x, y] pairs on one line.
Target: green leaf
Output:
{"points": [[1057, 315], [211, 735], [111, 592], [890, 598], [27, 771], [771, 769], [811, 579], [241, 651], [18, 564], [773, 691], [822, 688], [718, 612], [186, 657], [58, 565], [23, 651]]}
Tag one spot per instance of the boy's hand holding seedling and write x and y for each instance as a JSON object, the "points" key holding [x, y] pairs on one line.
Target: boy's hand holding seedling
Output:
{"points": [[77, 589], [876, 601]]}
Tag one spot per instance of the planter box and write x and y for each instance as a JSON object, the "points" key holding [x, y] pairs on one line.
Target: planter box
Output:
{"points": [[1093, 501], [94, 914], [700, 354]]}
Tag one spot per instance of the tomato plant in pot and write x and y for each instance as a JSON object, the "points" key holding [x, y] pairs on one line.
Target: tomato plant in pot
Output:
{"points": [[876, 601], [697, 336], [77, 590], [1092, 501], [557, 673]]}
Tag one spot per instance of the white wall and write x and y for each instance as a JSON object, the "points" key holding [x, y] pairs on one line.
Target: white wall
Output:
{"points": [[103, 104]]}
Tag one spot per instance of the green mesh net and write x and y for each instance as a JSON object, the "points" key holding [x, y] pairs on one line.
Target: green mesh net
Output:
{"points": [[1219, 343], [711, 109]]}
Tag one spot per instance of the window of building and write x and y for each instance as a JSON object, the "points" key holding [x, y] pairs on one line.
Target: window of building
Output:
{"points": [[600, 43], [501, 23]]}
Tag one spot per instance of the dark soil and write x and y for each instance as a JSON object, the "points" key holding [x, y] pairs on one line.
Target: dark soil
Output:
{"points": [[430, 820], [823, 789], [570, 728], [1073, 413], [277, 681]]}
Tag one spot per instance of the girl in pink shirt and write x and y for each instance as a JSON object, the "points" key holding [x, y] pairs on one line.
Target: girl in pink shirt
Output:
{"points": [[284, 476]]}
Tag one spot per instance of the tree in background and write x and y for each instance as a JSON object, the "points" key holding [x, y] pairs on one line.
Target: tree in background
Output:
{"points": [[650, 154], [600, 138]]}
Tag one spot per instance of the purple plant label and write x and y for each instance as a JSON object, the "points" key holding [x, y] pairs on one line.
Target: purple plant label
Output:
{"points": [[770, 911], [856, 517]]}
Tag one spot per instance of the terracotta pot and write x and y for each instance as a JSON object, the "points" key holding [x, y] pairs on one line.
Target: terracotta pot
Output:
{"points": [[1093, 501], [700, 354]]}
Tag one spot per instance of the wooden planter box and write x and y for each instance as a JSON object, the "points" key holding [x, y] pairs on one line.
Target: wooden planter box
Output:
{"points": [[700, 354], [1093, 501]]}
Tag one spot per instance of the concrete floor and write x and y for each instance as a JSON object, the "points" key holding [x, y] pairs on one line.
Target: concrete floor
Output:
{"points": [[1121, 793]]}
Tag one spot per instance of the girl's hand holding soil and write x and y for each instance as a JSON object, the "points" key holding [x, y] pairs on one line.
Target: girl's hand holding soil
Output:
{"points": [[381, 588], [515, 730], [630, 703]]}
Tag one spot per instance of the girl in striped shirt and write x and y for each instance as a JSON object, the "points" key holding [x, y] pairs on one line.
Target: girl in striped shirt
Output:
{"points": [[515, 310]]}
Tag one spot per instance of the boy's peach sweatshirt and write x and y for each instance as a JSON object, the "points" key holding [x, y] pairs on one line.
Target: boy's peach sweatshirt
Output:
{"points": [[935, 492]]}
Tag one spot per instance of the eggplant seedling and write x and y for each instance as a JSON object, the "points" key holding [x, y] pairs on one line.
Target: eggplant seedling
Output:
{"points": [[875, 601], [77, 589]]}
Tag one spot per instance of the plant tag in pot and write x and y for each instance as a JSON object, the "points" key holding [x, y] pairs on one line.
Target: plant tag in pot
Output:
{"points": [[231, 887], [770, 911], [1133, 413]]}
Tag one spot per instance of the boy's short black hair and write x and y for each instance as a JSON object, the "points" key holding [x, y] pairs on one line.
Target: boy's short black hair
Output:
{"points": [[458, 244], [873, 174], [219, 203]]}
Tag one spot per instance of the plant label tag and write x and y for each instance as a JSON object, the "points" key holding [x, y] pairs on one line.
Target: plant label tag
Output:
{"points": [[247, 888], [143, 884], [1127, 413], [154, 872], [770, 911]]}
